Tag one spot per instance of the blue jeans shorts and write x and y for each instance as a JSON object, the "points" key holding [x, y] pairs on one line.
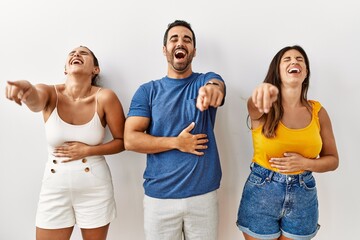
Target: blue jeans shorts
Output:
{"points": [[275, 204]]}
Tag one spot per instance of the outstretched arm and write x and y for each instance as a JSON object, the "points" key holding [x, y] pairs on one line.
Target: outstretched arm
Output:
{"points": [[35, 97], [137, 140]]}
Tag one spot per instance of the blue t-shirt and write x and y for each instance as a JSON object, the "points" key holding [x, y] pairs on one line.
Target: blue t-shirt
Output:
{"points": [[171, 106]]}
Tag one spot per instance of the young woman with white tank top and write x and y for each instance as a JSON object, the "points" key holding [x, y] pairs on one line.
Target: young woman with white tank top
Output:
{"points": [[77, 186]]}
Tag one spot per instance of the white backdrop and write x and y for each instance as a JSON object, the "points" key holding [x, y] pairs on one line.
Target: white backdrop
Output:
{"points": [[236, 39]]}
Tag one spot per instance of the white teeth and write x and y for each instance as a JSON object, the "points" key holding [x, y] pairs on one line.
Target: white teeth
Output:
{"points": [[294, 70], [180, 51], [77, 61]]}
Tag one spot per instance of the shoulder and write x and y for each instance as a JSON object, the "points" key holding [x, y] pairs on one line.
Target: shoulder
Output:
{"points": [[105, 95], [212, 75], [320, 111], [316, 105]]}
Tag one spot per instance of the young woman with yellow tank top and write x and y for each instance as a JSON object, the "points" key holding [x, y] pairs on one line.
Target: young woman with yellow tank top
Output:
{"points": [[292, 137], [77, 186]]}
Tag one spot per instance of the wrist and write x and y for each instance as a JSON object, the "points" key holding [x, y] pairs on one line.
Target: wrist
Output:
{"points": [[212, 83]]}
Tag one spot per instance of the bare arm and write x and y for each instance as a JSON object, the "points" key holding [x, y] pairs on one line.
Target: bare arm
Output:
{"points": [[35, 97], [329, 158], [115, 119], [137, 140]]}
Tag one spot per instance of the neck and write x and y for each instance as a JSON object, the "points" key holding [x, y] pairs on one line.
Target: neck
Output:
{"points": [[77, 92], [291, 96], [172, 73]]}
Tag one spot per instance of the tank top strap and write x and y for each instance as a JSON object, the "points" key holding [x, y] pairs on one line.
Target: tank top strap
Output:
{"points": [[316, 106], [57, 96], [96, 99]]}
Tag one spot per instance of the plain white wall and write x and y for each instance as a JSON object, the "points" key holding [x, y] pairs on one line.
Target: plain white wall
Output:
{"points": [[236, 39]]}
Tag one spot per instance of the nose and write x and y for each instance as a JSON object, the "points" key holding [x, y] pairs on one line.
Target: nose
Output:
{"points": [[180, 43]]}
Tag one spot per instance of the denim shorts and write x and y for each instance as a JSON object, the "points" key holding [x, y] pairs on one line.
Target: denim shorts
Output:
{"points": [[275, 204]]}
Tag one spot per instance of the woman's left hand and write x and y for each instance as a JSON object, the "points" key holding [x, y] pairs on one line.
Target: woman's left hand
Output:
{"points": [[291, 162], [71, 150]]}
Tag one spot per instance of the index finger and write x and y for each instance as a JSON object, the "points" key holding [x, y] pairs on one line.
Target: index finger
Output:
{"points": [[266, 101]]}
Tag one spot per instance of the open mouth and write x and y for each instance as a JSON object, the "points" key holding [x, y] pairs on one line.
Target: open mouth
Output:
{"points": [[294, 70], [76, 61], [180, 53]]}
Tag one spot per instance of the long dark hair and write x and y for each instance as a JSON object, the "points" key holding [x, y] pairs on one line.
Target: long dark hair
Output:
{"points": [[272, 119]]}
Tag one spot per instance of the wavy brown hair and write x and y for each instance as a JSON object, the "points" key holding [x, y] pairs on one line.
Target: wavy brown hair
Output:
{"points": [[272, 119]]}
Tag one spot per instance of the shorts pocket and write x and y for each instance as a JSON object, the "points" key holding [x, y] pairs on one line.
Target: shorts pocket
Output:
{"points": [[309, 184], [49, 172], [255, 179], [101, 171]]}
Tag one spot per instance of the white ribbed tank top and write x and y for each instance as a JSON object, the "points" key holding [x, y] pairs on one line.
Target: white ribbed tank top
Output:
{"points": [[58, 131]]}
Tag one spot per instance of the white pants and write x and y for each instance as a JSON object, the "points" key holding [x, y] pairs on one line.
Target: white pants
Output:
{"points": [[195, 218]]}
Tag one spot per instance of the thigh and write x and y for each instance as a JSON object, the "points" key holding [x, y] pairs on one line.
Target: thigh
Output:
{"points": [[53, 234], [99, 233], [201, 218], [163, 218]]}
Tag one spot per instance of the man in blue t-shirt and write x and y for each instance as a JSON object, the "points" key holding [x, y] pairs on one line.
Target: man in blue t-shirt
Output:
{"points": [[172, 120]]}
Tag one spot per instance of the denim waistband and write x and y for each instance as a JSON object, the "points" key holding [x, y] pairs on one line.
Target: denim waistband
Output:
{"points": [[279, 177]]}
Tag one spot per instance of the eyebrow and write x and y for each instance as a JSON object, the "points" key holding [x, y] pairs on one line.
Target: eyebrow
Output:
{"points": [[298, 57], [81, 52], [176, 36]]}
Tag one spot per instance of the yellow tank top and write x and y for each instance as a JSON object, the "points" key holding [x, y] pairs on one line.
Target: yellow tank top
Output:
{"points": [[305, 141]]}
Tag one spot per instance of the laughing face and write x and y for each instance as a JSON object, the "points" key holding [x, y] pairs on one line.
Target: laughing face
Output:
{"points": [[292, 67], [80, 60], [179, 49]]}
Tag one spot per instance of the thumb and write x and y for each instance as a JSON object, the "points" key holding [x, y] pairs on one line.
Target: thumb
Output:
{"points": [[274, 91], [25, 94], [287, 154], [12, 83], [190, 127]]}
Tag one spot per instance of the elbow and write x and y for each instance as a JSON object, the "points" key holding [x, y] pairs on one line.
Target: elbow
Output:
{"points": [[128, 144], [336, 164], [120, 145]]}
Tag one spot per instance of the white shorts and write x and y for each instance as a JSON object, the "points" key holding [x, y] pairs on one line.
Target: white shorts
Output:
{"points": [[194, 217], [78, 192]]}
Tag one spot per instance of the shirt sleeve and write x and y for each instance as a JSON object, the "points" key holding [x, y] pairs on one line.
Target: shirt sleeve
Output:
{"points": [[140, 104]]}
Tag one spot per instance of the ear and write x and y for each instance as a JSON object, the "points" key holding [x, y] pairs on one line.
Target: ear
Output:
{"points": [[164, 50], [194, 52], [96, 70]]}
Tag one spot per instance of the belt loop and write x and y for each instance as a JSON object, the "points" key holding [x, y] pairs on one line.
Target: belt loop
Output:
{"points": [[301, 178], [268, 178], [251, 165]]}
